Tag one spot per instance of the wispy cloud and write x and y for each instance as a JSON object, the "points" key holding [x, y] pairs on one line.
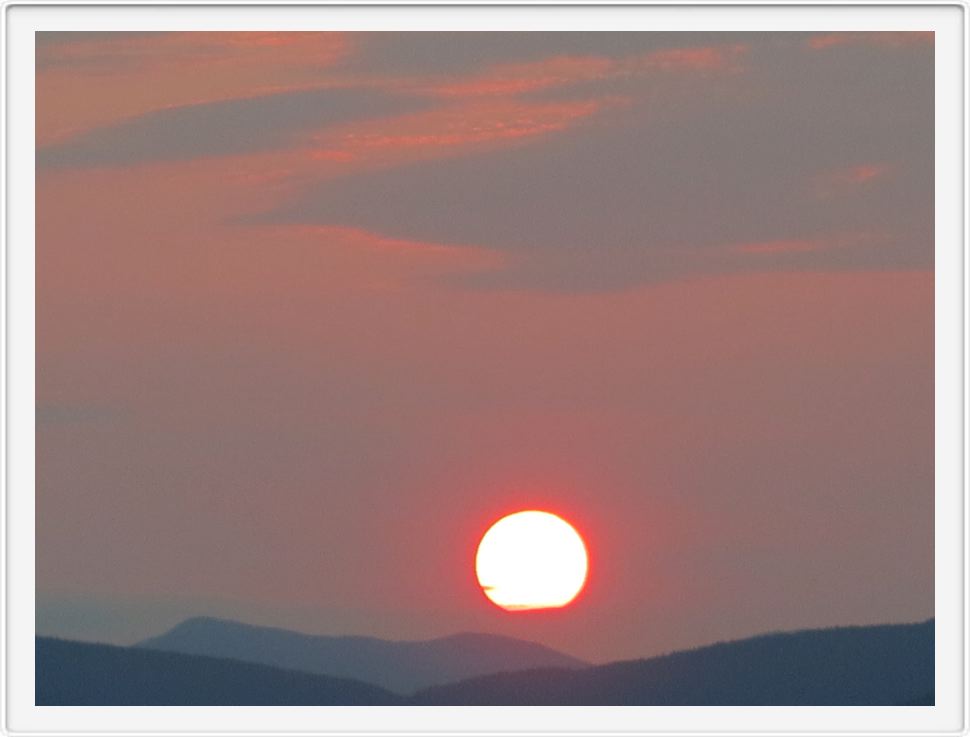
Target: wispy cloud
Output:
{"points": [[237, 126], [820, 244], [468, 127], [631, 151], [87, 80], [260, 96], [516, 79], [121, 53], [370, 261], [557, 71], [889, 39], [847, 181], [863, 173]]}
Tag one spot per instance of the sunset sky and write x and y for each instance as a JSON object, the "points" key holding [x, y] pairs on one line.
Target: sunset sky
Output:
{"points": [[315, 309]]}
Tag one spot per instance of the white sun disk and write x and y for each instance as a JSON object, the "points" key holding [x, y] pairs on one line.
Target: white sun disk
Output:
{"points": [[531, 560]]}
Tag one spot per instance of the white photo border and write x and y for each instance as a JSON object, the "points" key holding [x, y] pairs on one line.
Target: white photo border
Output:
{"points": [[19, 715]]}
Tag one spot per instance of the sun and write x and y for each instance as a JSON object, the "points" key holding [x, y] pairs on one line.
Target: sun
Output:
{"points": [[531, 560]]}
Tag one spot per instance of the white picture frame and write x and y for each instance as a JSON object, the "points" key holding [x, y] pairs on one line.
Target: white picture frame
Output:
{"points": [[19, 714]]}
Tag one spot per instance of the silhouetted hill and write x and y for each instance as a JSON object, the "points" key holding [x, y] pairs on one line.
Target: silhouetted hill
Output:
{"points": [[80, 673], [403, 667], [881, 665]]}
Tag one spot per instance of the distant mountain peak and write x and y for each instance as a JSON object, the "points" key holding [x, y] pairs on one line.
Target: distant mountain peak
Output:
{"points": [[402, 666]]}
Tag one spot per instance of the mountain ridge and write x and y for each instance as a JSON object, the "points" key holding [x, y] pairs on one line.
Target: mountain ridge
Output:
{"points": [[72, 673], [401, 666], [852, 665], [855, 665], [463, 634]]}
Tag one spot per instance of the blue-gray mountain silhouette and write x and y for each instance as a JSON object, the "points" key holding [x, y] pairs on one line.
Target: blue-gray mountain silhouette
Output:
{"points": [[402, 667], [879, 665], [80, 673]]}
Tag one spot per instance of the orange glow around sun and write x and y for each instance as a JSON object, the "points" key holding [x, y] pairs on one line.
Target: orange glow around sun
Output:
{"points": [[531, 560]]}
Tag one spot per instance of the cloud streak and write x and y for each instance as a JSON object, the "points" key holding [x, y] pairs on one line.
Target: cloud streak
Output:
{"points": [[223, 128], [806, 245], [87, 80], [884, 39], [559, 71]]}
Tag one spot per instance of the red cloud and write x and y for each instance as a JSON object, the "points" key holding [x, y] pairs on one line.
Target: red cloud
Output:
{"points": [[368, 260], [698, 58], [846, 181], [515, 79], [120, 54], [781, 246], [84, 81], [865, 172], [90, 81], [892, 39], [804, 245], [472, 124]]}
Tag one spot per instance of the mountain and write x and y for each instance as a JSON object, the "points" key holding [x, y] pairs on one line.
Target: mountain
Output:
{"points": [[402, 667], [71, 673], [880, 665]]}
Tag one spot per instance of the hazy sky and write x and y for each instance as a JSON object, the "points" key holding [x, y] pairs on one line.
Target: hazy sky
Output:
{"points": [[314, 309]]}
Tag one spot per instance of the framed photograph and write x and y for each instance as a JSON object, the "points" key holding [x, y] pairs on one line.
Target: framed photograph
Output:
{"points": [[581, 369]]}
